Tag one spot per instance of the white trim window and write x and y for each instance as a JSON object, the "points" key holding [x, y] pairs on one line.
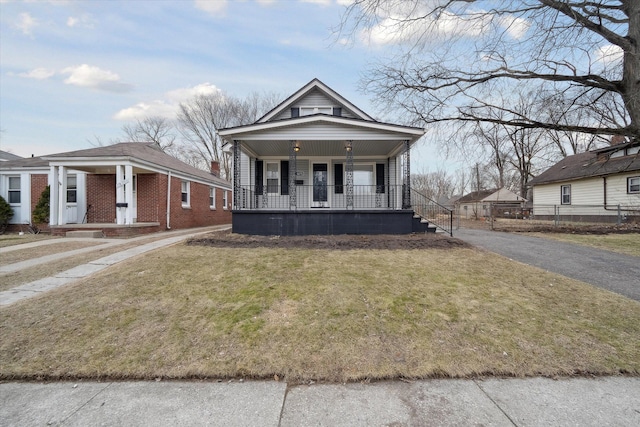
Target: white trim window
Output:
{"points": [[565, 194], [307, 111], [72, 189], [14, 190], [273, 177], [633, 185], [364, 179], [212, 198], [225, 200], [186, 193]]}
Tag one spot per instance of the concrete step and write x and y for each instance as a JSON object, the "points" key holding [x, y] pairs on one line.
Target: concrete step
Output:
{"points": [[85, 233]]}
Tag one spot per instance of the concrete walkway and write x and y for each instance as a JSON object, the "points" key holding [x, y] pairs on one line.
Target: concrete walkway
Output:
{"points": [[66, 277], [605, 269], [612, 401]]}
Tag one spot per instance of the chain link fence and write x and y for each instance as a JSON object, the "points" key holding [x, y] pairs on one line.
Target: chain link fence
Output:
{"points": [[505, 216]]}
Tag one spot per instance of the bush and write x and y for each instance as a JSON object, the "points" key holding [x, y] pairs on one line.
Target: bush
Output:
{"points": [[6, 213], [41, 211]]}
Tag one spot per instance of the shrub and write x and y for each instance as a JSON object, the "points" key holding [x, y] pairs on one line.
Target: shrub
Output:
{"points": [[41, 211], [6, 213]]}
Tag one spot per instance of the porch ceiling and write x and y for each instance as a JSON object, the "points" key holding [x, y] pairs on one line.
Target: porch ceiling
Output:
{"points": [[318, 148]]}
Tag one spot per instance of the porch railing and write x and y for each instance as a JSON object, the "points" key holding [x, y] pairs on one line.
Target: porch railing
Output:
{"points": [[440, 216], [278, 197]]}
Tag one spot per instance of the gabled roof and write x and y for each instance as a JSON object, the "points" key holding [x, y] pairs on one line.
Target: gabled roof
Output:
{"points": [[5, 156], [595, 163], [142, 153], [503, 195], [475, 196], [312, 85]]}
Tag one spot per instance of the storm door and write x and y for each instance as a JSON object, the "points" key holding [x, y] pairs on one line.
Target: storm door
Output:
{"points": [[320, 179]]}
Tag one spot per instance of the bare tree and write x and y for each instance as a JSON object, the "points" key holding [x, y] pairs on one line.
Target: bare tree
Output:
{"points": [[200, 119], [453, 54], [434, 185], [158, 130]]}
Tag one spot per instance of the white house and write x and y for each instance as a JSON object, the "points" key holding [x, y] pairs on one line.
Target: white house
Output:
{"points": [[317, 164], [592, 186]]}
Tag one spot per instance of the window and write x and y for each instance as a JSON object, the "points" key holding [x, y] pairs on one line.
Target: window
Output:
{"points": [[307, 111], [212, 197], [225, 200], [14, 189], [273, 174], [72, 189], [565, 194], [633, 184], [185, 193], [363, 179]]}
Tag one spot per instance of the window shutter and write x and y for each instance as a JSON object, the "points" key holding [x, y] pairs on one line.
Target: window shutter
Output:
{"points": [[337, 111], [338, 178], [295, 112], [259, 178], [284, 177], [379, 177]]}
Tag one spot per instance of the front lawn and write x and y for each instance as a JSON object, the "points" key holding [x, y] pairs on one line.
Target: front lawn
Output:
{"points": [[321, 314]]}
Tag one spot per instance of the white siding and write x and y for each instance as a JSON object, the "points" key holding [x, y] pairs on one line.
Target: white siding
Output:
{"points": [[322, 131], [587, 196], [315, 98]]}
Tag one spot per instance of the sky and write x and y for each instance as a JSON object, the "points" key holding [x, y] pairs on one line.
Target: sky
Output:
{"points": [[73, 72]]}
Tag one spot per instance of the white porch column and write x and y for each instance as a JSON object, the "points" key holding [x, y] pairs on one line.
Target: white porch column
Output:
{"points": [[54, 190], [62, 195], [119, 194], [128, 194]]}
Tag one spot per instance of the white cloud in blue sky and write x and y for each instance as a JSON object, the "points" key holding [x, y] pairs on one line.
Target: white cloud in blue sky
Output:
{"points": [[71, 71]]}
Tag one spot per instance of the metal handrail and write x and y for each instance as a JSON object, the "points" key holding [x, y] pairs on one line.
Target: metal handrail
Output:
{"points": [[440, 216]]}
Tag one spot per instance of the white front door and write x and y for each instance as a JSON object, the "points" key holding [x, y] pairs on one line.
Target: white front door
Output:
{"points": [[72, 199]]}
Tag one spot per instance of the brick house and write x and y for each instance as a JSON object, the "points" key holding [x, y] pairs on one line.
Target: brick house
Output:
{"points": [[121, 189]]}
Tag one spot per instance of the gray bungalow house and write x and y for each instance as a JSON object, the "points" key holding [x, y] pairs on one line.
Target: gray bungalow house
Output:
{"points": [[317, 164]]}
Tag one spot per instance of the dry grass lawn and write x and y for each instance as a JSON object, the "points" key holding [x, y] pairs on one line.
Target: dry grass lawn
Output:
{"points": [[628, 244], [19, 255], [12, 239], [302, 314]]}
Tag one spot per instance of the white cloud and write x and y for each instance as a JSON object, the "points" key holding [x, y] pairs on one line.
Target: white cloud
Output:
{"points": [[93, 77], [320, 2], [515, 27], [26, 23], [214, 7], [143, 109], [180, 95], [165, 107], [38, 74], [608, 54], [85, 21]]}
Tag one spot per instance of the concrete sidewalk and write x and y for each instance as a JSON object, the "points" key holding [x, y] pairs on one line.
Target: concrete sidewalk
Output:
{"points": [[610, 401], [66, 277]]}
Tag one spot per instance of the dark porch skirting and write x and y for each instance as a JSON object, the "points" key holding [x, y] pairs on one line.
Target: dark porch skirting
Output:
{"points": [[300, 223]]}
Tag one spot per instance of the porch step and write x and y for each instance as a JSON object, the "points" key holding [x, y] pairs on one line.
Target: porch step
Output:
{"points": [[85, 233], [421, 225]]}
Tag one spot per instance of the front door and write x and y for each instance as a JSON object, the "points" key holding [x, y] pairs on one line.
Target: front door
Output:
{"points": [[320, 179]]}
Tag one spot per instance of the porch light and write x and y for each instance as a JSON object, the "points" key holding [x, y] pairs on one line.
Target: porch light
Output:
{"points": [[296, 148], [348, 146]]}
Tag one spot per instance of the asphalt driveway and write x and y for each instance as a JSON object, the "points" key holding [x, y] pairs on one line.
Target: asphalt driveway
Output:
{"points": [[608, 270]]}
